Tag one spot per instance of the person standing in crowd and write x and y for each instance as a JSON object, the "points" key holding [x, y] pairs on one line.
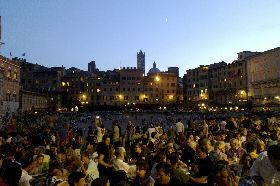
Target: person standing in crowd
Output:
{"points": [[180, 128], [100, 129], [116, 134], [129, 132], [104, 165], [10, 170]]}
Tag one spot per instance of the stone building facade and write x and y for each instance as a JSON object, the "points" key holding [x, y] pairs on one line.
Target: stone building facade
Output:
{"points": [[9, 85]]}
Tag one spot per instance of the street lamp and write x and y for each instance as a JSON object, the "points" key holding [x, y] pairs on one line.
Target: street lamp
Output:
{"points": [[157, 78]]}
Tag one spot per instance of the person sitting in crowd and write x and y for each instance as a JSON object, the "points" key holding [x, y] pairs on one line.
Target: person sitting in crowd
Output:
{"points": [[267, 165], [120, 165], [245, 164], [37, 165], [77, 179], [138, 154], [203, 163], [89, 167], [218, 153], [235, 152], [165, 176], [42, 154], [142, 175]]}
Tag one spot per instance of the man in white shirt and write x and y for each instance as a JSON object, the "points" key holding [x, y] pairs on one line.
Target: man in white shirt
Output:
{"points": [[89, 168], [180, 128], [25, 178], [267, 165], [119, 164]]}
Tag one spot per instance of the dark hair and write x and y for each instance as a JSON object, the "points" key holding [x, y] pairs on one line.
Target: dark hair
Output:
{"points": [[166, 168], [85, 154], [250, 146], [143, 165], [173, 158], [115, 122], [243, 158], [26, 162], [99, 182], [273, 151], [75, 177], [160, 156], [105, 137], [202, 149]]}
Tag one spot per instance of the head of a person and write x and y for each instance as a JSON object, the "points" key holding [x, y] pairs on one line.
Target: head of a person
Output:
{"points": [[164, 173], [273, 153], [205, 142], [250, 146], [60, 157], [220, 175], [142, 169], [160, 157], [114, 123], [40, 159], [76, 179], [201, 152], [179, 120], [99, 182], [85, 157], [137, 148], [234, 144], [170, 143], [120, 153], [106, 140], [220, 146], [173, 159], [190, 138], [246, 160]]}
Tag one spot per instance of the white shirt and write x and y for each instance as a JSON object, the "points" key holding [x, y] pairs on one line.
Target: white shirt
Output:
{"points": [[180, 127], [92, 170], [130, 170], [25, 178], [150, 131], [223, 125], [262, 167]]}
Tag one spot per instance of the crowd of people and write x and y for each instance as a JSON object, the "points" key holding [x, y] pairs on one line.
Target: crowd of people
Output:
{"points": [[51, 149]]}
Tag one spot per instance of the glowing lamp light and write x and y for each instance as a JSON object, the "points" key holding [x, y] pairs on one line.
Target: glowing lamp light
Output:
{"points": [[157, 78]]}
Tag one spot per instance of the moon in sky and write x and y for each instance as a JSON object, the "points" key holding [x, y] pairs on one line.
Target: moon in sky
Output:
{"points": [[166, 20]]}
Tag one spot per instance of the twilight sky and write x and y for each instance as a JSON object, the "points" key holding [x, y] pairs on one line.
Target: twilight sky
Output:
{"points": [[183, 33]]}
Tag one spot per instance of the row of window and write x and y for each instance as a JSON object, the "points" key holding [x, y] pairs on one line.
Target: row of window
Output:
{"points": [[215, 75], [126, 98], [130, 78], [34, 101]]}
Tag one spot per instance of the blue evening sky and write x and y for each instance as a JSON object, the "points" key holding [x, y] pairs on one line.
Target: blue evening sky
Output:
{"points": [[183, 33]]}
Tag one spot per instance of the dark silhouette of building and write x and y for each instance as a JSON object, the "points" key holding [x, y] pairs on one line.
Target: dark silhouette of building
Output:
{"points": [[141, 60], [92, 67]]}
